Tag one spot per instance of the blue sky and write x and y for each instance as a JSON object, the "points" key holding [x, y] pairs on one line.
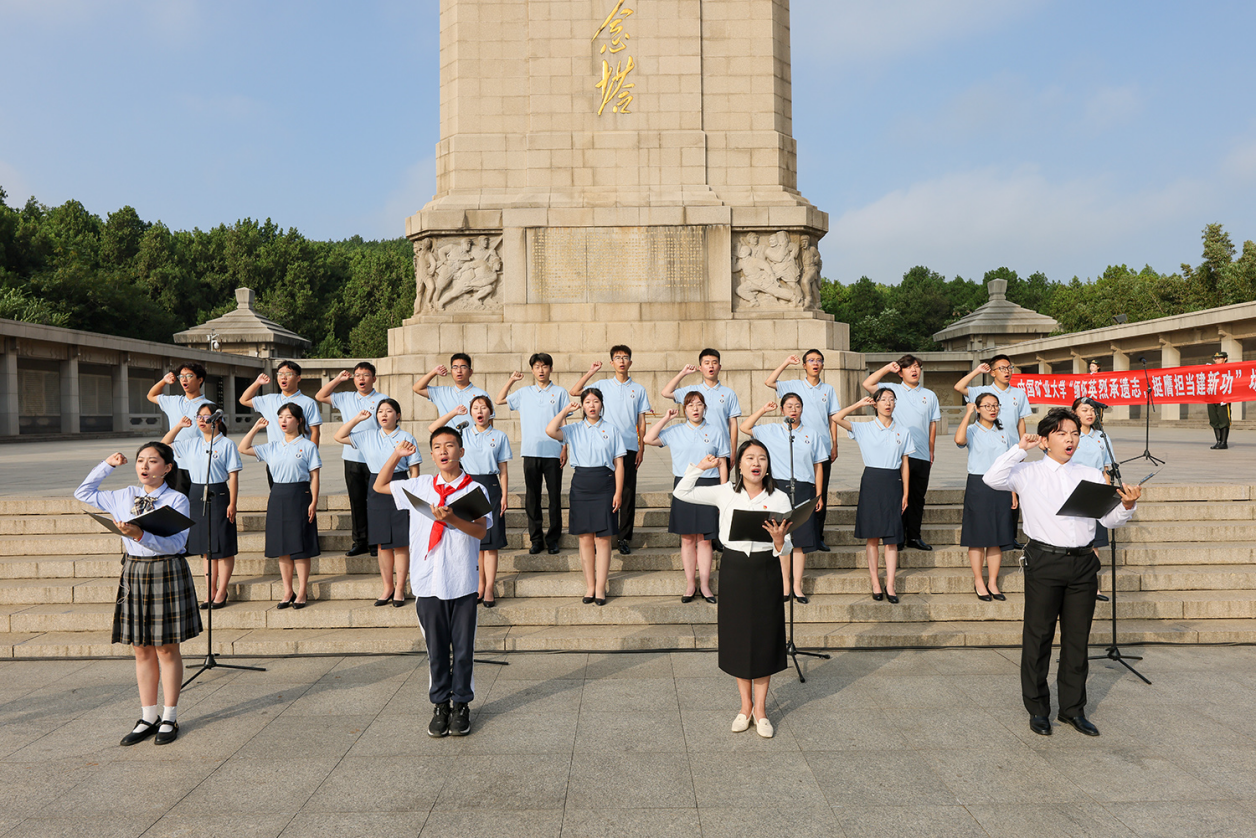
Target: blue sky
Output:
{"points": [[958, 134]]}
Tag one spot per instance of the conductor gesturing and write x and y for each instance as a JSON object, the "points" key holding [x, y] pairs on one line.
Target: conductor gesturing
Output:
{"points": [[1061, 569]]}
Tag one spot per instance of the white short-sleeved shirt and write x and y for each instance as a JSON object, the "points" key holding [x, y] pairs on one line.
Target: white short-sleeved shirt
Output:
{"points": [[289, 462], [1092, 450], [808, 450], [818, 404], [350, 404], [985, 446], [536, 407], [377, 446], [882, 447], [916, 408], [483, 450], [446, 398], [721, 405], [621, 405], [175, 408], [593, 446], [451, 569], [224, 459], [1013, 404], [269, 404], [689, 444]]}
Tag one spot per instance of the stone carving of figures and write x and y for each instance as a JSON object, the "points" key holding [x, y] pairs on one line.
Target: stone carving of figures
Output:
{"points": [[757, 274], [475, 278], [451, 259], [782, 255], [425, 275], [811, 267]]}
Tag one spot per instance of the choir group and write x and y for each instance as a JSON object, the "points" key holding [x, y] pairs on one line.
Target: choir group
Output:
{"points": [[452, 562]]}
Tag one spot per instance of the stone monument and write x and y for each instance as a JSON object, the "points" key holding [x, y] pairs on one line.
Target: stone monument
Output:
{"points": [[616, 171]]}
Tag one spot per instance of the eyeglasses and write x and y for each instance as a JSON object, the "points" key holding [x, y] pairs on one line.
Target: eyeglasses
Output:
{"points": [[1003, 368], [460, 367], [621, 358], [188, 377]]}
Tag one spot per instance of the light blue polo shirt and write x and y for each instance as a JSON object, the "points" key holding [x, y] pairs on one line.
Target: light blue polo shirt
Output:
{"points": [[536, 407], [808, 450], [446, 398], [818, 404], [882, 447], [1013, 404], [690, 443], [1092, 450], [721, 405], [916, 407], [621, 405], [350, 404], [986, 446], [175, 408], [290, 462], [482, 451], [376, 447], [593, 446], [224, 459], [269, 404]]}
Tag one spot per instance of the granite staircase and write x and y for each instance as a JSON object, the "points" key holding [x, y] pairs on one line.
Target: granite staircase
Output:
{"points": [[1185, 574]]}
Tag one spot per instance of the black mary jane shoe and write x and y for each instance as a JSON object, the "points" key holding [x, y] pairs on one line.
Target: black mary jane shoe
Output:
{"points": [[1000, 597], [169, 736], [986, 597], [140, 735], [382, 601], [891, 598], [587, 600], [287, 603]]}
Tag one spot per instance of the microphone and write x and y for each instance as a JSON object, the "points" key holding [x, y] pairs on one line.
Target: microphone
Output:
{"points": [[789, 421], [216, 416], [1096, 405], [460, 426]]}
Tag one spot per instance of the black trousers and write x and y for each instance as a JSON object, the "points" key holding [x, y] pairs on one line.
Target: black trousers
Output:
{"points": [[536, 469], [628, 500], [1219, 415], [448, 627], [917, 485], [1059, 587], [826, 468], [357, 475]]}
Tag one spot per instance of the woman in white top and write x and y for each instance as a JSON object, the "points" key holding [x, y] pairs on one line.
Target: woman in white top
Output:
{"points": [[751, 616]]}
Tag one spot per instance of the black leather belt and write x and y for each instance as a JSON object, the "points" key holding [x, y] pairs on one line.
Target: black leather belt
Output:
{"points": [[1043, 547]]}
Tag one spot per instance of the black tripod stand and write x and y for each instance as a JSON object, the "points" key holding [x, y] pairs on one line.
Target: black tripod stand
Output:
{"points": [[1113, 652], [1146, 455], [790, 649], [207, 496]]}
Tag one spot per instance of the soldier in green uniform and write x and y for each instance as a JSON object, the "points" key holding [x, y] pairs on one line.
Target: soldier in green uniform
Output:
{"points": [[1219, 413]]}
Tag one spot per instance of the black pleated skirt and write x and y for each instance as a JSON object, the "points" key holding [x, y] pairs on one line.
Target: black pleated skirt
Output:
{"points": [[880, 510], [156, 603], [224, 531], [805, 537], [694, 518], [386, 525], [495, 538], [751, 615], [592, 494], [289, 532], [989, 520]]}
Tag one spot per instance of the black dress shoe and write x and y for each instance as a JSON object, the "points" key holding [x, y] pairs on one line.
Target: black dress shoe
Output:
{"points": [[983, 597], [1101, 597], [1040, 725], [555, 550], [299, 605], [878, 596], [823, 548], [204, 606], [687, 598], [384, 600], [999, 597], [587, 600], [490, 603], [439, 725], [891, 598], [165, 737], [917, 544], [140, 735], [801, 599], [1080, 723], [374, 552], [710, 599], [399, 603], [357, 550], [785, 598], [287, 603], [220, 605], [599, 602], [625, 549], [535, 550]]}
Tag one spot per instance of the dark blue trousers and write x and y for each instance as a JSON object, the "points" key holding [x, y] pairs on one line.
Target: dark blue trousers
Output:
{"points": [[448, 627]]}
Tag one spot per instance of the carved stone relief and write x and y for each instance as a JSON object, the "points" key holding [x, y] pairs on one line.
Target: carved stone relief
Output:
{"points": [[457, 273], [776, 270]]}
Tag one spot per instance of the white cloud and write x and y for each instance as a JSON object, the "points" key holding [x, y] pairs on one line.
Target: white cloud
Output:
{"points": [[969, 222], [858, 30]]}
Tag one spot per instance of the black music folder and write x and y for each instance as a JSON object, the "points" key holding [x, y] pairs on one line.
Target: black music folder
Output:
{"points": [[1090, 500], [164, 521], [748, 524], [470, 507]]}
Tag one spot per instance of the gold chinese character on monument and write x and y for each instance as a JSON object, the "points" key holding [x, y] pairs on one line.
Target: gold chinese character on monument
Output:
{"points": [[614, 82]]}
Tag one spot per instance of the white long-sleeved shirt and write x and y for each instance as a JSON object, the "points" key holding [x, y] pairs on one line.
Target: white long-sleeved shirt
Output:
{"points": [[118, 503], [1044, 486], [728, 501]]}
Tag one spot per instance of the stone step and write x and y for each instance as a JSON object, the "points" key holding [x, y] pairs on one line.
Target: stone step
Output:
{"points": [[260, 643]]}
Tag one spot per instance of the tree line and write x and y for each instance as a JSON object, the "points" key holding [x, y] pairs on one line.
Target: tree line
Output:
{"points": [[121, 275]]}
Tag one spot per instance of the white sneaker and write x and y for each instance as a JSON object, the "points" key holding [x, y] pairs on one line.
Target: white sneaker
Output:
{"points": [[764, 728], [742, 722]]}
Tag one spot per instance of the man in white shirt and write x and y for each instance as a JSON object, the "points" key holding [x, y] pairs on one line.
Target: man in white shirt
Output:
{"points": [[1061, 568]]}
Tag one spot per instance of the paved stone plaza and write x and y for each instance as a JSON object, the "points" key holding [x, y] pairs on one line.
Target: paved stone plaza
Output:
{"points": [[875, 743]]}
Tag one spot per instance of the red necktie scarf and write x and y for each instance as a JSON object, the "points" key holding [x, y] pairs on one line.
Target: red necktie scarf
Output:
{"points": [[444, 490]]}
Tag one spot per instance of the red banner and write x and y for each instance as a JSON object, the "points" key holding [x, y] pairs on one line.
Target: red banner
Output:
{"points": [[1205, 384]]}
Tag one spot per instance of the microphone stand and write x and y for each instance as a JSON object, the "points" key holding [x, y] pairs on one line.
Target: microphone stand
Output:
{"points": [[1113, 652], [206, 505], [790, 649], [1146, 455], [461, 429]]}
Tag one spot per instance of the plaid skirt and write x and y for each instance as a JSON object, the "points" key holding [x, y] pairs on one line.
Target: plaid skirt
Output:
{"points": [[156, 603]]}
